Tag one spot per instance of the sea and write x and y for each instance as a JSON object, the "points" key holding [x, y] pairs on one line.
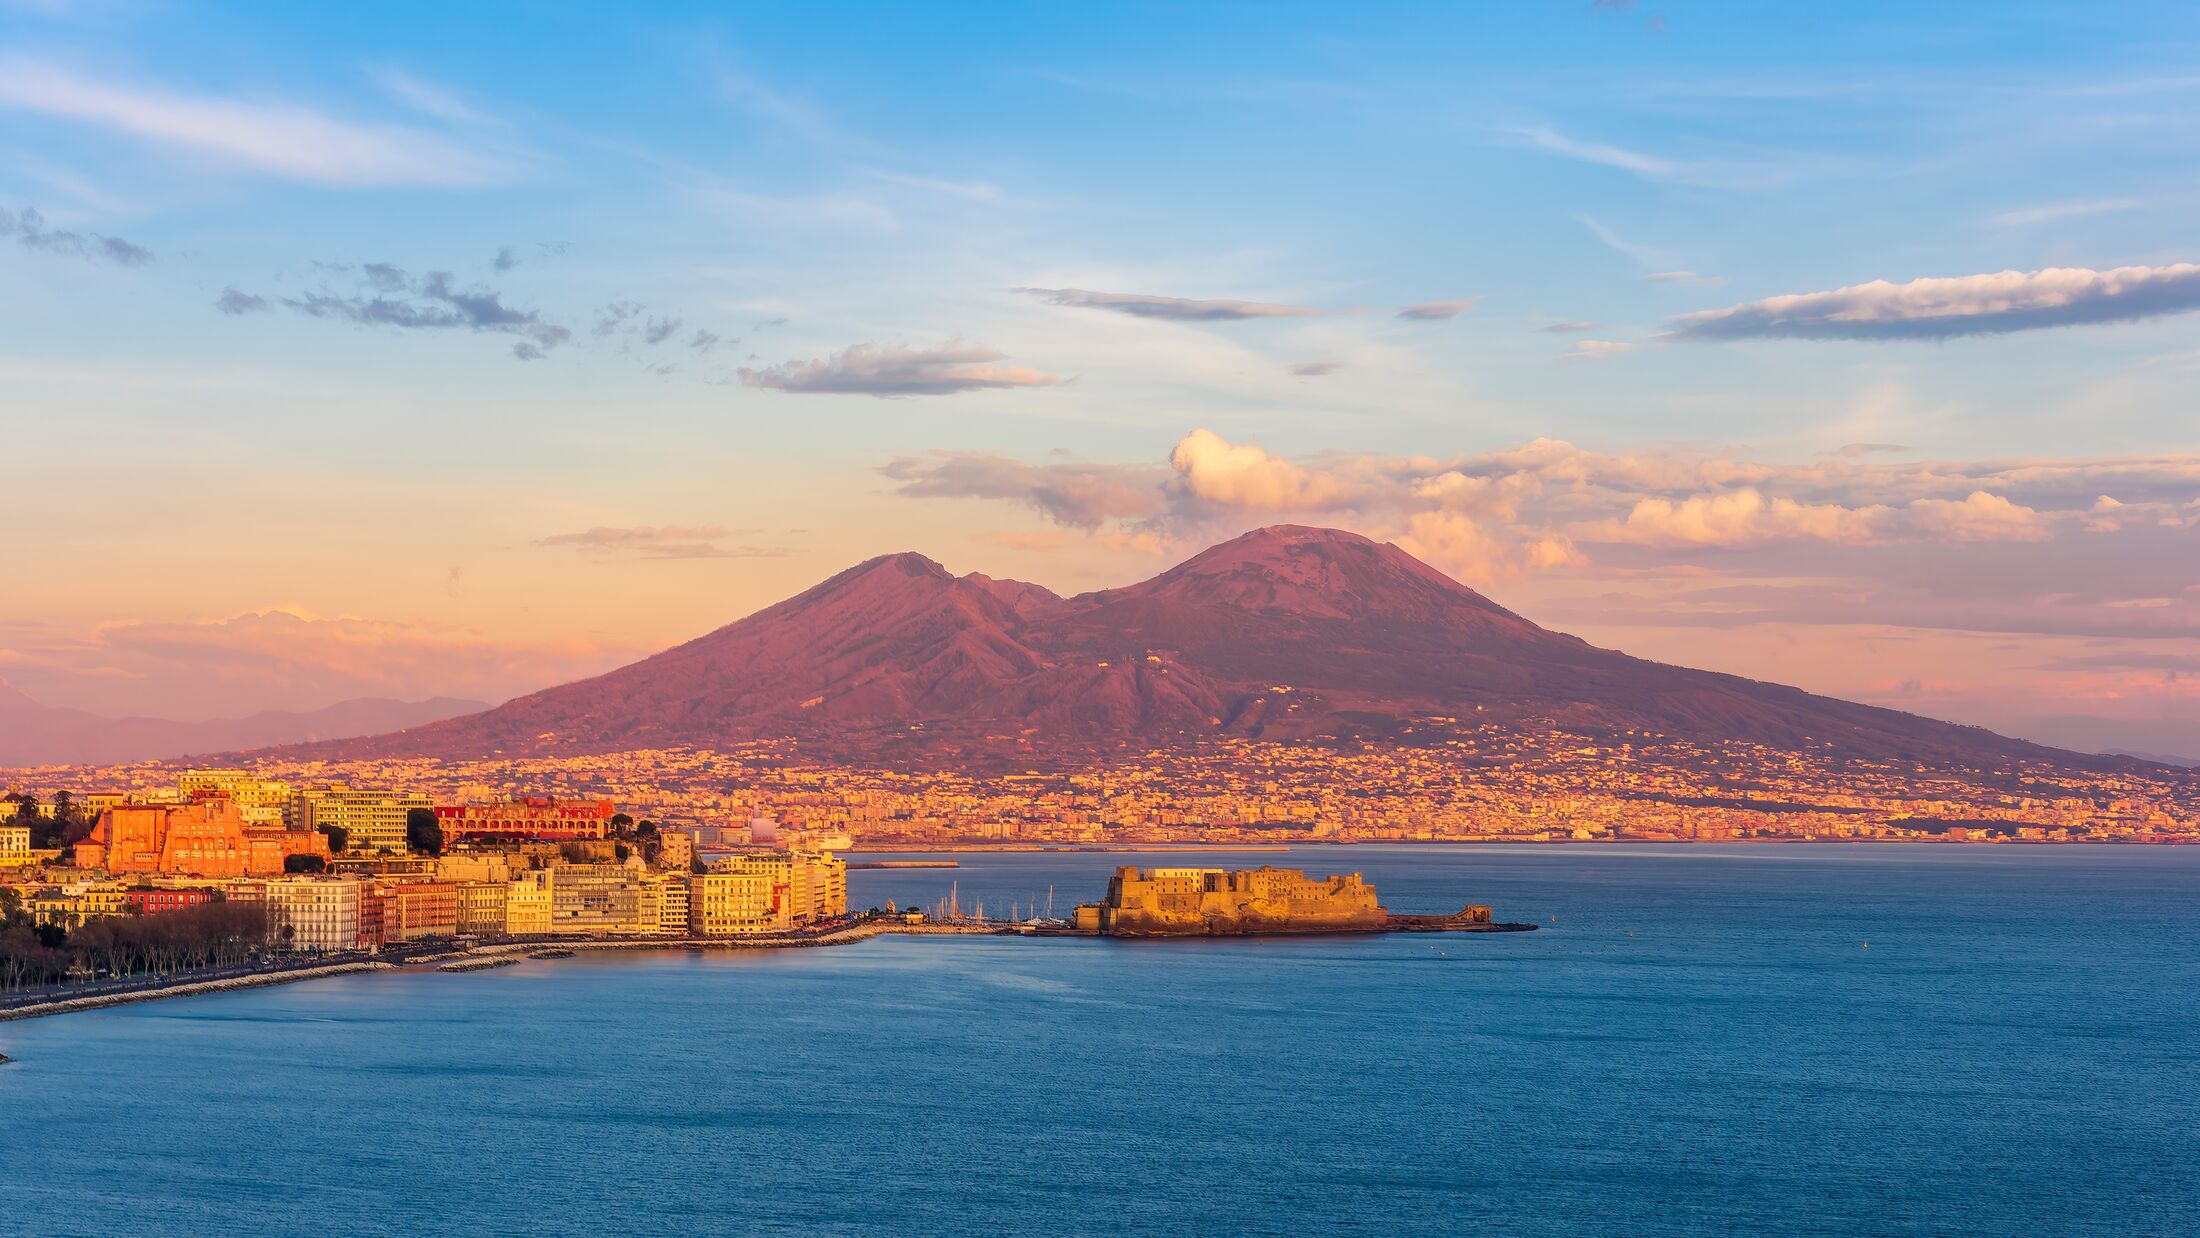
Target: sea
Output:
{"points": [[1763, 1039]]}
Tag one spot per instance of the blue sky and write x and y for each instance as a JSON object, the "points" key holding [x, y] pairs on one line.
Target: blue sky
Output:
{"points": [[720, 284]]}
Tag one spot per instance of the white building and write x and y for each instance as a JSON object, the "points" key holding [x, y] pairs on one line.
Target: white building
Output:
{"points": [[322, 913]]}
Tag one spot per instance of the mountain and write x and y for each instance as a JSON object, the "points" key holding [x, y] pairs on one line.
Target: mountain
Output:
{"points": [[1285, 633], [35, 734]]}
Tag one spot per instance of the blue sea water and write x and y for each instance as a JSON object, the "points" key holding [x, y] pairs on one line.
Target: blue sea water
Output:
{"points": [[1699, 1041]]}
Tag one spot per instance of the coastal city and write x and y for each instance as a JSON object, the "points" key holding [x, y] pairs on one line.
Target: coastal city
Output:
{"points": [[1463, 784], [751, 842], [223, 863]]}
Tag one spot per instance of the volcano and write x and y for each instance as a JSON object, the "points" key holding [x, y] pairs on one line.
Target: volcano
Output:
{"points": [[1287, 634]]}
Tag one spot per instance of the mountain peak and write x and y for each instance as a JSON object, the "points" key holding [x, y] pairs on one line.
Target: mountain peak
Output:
{"points": [[1318, 572]]}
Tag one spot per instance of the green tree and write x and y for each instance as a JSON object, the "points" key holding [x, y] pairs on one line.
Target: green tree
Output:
{"points": [[423, 832], [304, 864], [338, 838]]}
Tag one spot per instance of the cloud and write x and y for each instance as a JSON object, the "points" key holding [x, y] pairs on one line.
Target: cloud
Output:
{"points": [[704, 341], [1739, 518], [1481, 553], [1863, 538], [1853, 450], [29, 229], [659, 542], [1082, 496], [2055, 212], [506, 258], [1247, 477], [1315, 369], [1955, 307], [1544, 138], [1980, 517], [427, 98], [275, 138], [1435, 311], [1595, 350], [238, 303], [1174, 309], [658, 330], [394, 299], [1670, 277], [1567, 328], [886, 371]]}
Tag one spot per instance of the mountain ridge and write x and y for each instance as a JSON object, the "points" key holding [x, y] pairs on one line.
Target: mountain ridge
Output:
{"points": [[1287, 633]]}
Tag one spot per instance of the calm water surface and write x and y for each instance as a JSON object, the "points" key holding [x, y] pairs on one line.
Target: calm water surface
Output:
{"points": [[1699, 1041]]}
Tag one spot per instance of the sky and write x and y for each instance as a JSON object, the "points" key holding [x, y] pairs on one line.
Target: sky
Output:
{"points": [[415, 350]]}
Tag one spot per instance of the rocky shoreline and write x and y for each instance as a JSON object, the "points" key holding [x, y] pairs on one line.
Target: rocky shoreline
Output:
{"points": [[70, 1005]]}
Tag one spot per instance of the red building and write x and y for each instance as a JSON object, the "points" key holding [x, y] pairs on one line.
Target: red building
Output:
{"points": [[207, 839], [536, 817], [153, 902], [374, 907]]}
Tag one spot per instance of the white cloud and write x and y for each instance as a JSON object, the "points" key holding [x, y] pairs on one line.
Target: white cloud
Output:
{"points": [[1595, 350], [884, 370], [1246, 477], [1960, 306], [1738, 518], [1980, 517], [1175, 309], [1436, 311], [276, 138]]}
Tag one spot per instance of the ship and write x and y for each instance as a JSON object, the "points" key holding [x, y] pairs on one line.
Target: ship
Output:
{"points": [[1216, 902]]}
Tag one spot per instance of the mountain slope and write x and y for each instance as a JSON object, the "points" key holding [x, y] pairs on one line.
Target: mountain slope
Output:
{"points": [[1286, 633]]}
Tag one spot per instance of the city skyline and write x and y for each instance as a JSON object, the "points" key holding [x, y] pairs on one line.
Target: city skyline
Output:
{"points": [[469, 355]]}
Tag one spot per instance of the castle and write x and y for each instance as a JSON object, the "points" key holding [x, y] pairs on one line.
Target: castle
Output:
{"points": [[1202, 901]]}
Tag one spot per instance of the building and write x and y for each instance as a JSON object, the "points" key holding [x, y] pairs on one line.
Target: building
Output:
{"points": [[532, 817], [372, 821], [767, 892], [263, 802], [15, 846], [71, 906], [481, 906], [320, 913], [596, 898], [207, 839], [676, 850], [152, 902], [735, 903], [414, 910], [665, 904], [527, 904]]}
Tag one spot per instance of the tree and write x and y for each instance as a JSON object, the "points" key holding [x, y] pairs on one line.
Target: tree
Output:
{"points": [[338, 838], [304, 864], [621, 823], [423, 831]]}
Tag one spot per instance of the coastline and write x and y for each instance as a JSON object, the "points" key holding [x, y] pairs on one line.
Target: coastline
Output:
{"points": [[502, 954], [257, 980]]}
